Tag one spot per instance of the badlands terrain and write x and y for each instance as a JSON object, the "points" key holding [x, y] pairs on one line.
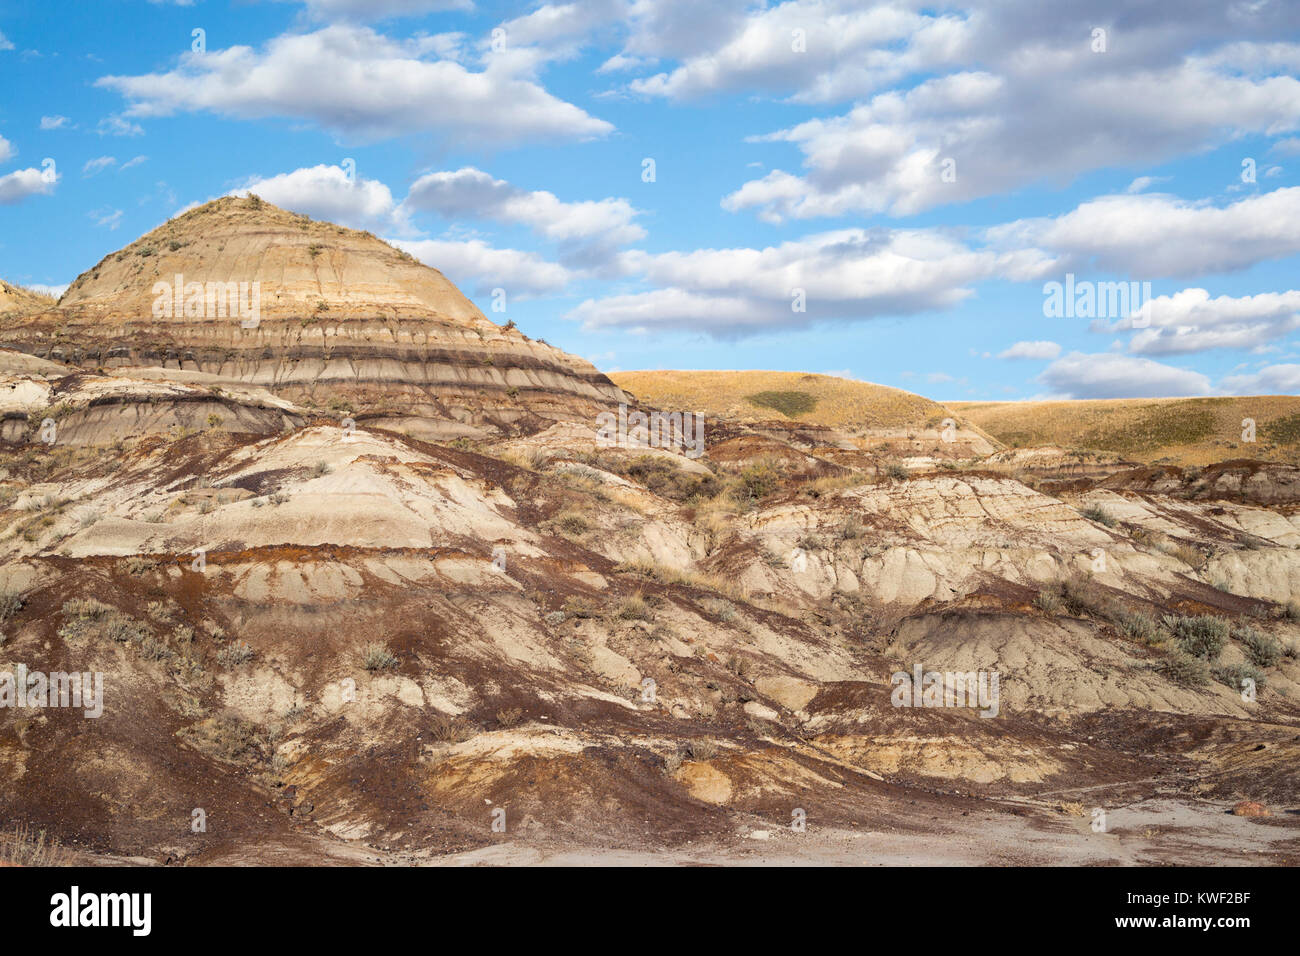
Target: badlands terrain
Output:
{"points": [[366, 586]]}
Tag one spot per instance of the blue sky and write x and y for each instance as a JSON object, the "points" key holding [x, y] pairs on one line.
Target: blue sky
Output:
{"points": [[913, 173]]}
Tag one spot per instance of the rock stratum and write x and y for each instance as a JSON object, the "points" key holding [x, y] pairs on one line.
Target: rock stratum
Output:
{"points": [[343, 321], [361, 633]]}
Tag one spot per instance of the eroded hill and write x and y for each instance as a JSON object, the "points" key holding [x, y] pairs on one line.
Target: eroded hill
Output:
{"points": [[328, 316], [341, 641]]}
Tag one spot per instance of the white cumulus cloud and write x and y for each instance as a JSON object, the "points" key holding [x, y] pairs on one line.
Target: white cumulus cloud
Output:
{"points": [[473, 264], [1191, 321], [1108, 375], [18, 185], [327, 192], [470, 193], [358, 83], [1031, 350]]}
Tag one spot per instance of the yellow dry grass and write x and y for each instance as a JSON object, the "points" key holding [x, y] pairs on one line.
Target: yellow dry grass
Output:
{"points": [[16, 299], [1185, 431], [836, 402]]}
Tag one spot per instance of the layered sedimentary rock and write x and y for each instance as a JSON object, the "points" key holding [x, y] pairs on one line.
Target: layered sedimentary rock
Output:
{"points": [[326, 316]]}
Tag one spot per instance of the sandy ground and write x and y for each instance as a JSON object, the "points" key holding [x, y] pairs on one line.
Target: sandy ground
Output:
{"points": [[1152, 832], [1156, 832]]}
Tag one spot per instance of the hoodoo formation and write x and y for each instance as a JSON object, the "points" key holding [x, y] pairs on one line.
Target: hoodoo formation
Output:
{"points": [[344, 320]]}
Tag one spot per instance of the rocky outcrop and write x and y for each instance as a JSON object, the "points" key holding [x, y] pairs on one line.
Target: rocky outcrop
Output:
{"points": [[85, 409], [326, 316], [1255, 482]]}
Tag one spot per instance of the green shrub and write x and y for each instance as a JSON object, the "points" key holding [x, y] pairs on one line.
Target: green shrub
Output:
{"points": [[1049, 601], [723, 610], [852, 529], [809, 542], [1263, 650], [1082, 597], [1232, 675], [138, 565], [153, 649], [790, 404], [1183, 668], [1099, 514], [11, 602], [89, 619], [759, 480], [1140, 627], [1201, 636], [664, 478]]}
